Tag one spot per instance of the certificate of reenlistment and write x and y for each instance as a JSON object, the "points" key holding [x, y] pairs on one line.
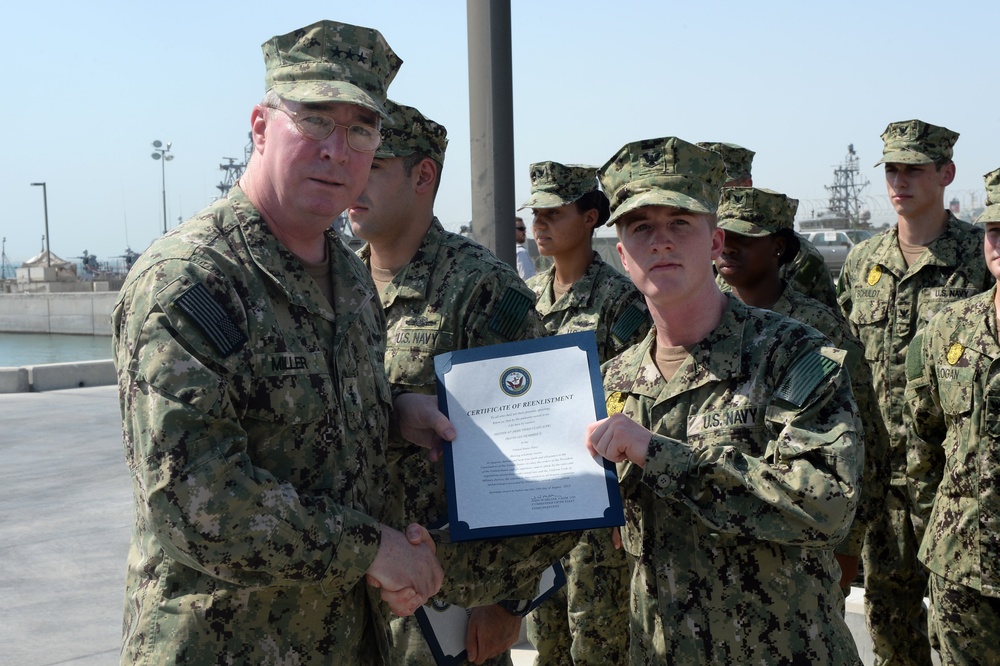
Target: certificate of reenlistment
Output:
{"points": [[520, 464]]}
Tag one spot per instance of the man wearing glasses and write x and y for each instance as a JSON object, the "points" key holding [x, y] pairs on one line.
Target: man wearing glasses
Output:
{"points": [[249, 345]]}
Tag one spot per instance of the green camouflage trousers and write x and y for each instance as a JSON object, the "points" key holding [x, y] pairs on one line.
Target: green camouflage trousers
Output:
{"points": [[586, 622], [965, 623], [895, 584]]}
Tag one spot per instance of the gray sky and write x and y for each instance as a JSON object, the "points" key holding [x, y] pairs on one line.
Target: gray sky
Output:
{"points": [[91, 85]]}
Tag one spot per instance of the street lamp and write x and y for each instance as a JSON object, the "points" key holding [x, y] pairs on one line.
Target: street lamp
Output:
{"points": [[163, 154], [45, 201]]}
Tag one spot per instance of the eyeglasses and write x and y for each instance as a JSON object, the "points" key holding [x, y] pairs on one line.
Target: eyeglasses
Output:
{"points": [[521, 228], [313, 125]]}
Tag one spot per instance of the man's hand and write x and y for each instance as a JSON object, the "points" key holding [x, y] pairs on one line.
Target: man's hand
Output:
{"points": [[492, 630], [421, 423], [619, 438], [406, 569]]}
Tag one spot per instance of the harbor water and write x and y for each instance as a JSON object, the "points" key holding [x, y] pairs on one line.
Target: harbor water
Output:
{"points": [[22, 349]]}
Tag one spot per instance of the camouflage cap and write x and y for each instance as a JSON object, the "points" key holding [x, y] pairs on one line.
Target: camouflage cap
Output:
{"points": [[992, 211], [916, 142], [331, 62], [751, 211], [411, 133], [554, 184], [738, 160], [662, 172]]}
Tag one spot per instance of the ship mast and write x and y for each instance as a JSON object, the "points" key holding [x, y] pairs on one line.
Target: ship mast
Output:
{"points": [[233, 170], [846, 192]]}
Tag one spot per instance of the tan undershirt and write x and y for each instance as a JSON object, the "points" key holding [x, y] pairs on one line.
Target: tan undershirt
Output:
{"points": [[383, 276], [558, 289], [669, 359], [911, 252], [320, 273]]}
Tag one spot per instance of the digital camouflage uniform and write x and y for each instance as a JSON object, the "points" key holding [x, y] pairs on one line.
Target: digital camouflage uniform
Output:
{"points": [[751, 475], [748, 486], [255, 424], [758, 213], [953, 465], [585, 622], [254, 419], [874, 477], [808, 273], [886, 304], [453, 294]]}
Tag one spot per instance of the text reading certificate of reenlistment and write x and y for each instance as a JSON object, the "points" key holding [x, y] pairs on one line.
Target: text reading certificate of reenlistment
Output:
{"points": [[520, 464]]}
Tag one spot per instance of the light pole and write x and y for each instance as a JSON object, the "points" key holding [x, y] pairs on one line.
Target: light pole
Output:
{"points": [[45, 201], [163, 154]]}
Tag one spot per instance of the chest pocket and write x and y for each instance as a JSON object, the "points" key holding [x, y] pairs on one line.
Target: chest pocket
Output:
{"points": [[363, 384], [931, 300], [291, 388], [956, 398], [739, 427], [871, 318]]}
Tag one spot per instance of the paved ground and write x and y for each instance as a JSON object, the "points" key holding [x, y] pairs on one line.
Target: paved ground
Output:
{"points": [[65, 512], [65, 519]]}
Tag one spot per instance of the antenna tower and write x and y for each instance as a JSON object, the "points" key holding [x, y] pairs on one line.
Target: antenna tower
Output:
{"points": [[234, 170], [847, 190]]}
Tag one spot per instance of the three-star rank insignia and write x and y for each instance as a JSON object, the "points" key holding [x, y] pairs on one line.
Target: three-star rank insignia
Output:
{"points": [[615, 403], [955, 353], [874, 275]]}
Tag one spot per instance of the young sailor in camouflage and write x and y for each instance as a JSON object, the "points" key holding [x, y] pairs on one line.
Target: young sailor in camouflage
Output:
{"points": [[953, 460], [891, 285], [759, 241], [585, 622], [440, 292], [737, 438], [806, 271]]}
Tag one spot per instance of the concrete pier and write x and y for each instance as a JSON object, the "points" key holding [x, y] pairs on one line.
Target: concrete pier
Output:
{"points": [[56, 376], [86, 313]]}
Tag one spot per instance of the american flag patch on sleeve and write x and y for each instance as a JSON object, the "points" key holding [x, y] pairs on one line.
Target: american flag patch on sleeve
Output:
{"points": [[212, 319], [803, 378]]}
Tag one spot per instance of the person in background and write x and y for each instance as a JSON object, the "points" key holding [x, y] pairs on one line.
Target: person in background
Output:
{"points": [[890, 287], [586, 621], [525, 266], [440, 292], [806, 272], [953, 460], [759, 241], [737, 438]]}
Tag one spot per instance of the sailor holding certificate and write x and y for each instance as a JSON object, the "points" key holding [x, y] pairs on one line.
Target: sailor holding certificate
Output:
{"points": [[737, 437]]}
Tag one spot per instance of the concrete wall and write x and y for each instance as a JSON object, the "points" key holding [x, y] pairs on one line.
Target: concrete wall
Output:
{"points": [[55, 376], [72, 313]]}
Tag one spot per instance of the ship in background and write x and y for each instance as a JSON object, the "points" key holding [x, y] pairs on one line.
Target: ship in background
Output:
{"points": [[847, 205]]}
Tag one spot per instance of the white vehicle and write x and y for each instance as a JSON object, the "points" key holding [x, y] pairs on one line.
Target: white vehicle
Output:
{"points": [[834, 244]]}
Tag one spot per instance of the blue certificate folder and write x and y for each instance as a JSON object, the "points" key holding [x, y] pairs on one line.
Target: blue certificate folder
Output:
{"points": [[519, 464]]}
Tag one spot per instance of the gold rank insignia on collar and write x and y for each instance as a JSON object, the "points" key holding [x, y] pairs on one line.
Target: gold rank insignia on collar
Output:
{"points": [[874, 275], [615, 403], [955, 353]]}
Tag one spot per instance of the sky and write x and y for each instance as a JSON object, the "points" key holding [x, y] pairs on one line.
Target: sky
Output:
{"points": [[92, 85]]}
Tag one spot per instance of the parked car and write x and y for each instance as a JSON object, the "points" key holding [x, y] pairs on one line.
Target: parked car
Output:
{"points": [[834, 244]]}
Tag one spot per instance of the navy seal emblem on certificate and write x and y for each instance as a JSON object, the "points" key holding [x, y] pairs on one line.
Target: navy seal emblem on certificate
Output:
{"points": [[515, 381], [520, 463]]}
